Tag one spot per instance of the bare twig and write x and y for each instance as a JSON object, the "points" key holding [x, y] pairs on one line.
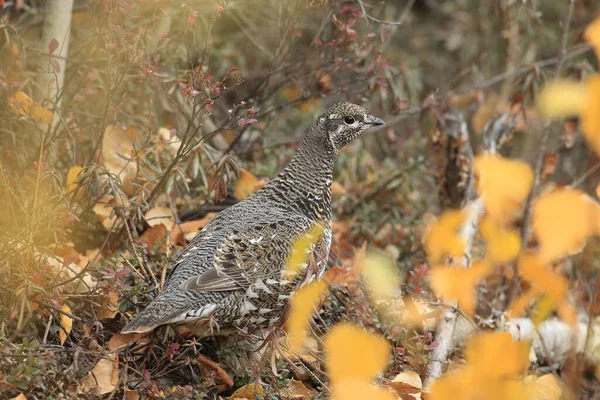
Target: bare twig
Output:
{"points": [[368, 17], [539, 164]]}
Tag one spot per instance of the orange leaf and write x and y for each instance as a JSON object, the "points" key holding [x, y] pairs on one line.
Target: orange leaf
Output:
{"points": [[188, 229], [592, 35], [109, 306], [542, 278], [347, 358], [443, 240], [459, 284], [503, 183], [246, 184], [590, 117], [301, 250], [24, 105], [562, 221], [119, 340], [380, 275], [153, 236], [66, 322], [502, 246], [302, 307]]}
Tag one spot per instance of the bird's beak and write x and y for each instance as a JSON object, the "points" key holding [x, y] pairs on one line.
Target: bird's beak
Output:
{"points": [[375, 121]]}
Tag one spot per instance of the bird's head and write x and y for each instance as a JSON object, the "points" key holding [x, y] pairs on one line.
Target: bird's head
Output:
{"points": [[344, 122]]}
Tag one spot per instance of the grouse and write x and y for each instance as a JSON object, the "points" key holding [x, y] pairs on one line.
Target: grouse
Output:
{"points": [[232, 275]]}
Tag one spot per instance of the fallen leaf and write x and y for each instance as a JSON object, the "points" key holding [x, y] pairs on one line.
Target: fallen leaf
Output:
{"points": [[66, 322], [119, 340], [72, 176], [153, 236], [442, 238], [246, 184], [160, 215], [20, 397], [249, 392], [296, 390], [132, 394], [503, 183], [118, 148], [103, 378], [109, 306], [562, 222], [302, 306], [188, 229], [407, 385], [347, 359]]}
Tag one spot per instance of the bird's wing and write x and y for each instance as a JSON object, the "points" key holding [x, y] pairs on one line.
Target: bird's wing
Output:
{"points": [[247, 254]]}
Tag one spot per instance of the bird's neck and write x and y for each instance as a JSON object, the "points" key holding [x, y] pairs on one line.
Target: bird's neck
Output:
{"points": [[306, 180]]}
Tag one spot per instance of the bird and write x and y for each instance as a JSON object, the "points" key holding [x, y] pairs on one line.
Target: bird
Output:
{"points": [[232, 275]]}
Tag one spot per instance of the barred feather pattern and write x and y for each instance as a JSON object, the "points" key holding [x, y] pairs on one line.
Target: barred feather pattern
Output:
{"points": [[231, 276]]}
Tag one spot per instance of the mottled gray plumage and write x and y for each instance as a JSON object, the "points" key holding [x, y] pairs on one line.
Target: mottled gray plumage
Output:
{"points": [[231, 275]]}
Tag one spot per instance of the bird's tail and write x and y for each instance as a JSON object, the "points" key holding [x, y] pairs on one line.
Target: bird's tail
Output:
{"points": [[158, 312]]}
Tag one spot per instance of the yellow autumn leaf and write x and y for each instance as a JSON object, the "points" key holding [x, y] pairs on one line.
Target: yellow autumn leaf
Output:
{"points": [[302, 306], [72, 176], [459, 284], [542, 278], [562, 222], [502, 245], [566, 98], [354, 354], [381, 275], [66, 322], [351, 389], [301, 250], [246, 184], [249, 391], [21, 396], [493, 360], [561, 98], [503, 183], [592, 35], [21, 103], [443, 239], [590, 117]]}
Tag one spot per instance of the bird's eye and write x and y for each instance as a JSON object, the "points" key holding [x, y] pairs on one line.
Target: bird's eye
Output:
{"points": [[348, 119]]}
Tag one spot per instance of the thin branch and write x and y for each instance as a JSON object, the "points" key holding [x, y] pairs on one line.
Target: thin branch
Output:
{"points": [[525, 227], [366, 15]]}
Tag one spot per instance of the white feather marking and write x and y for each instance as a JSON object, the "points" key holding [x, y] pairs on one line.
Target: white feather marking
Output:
{"points": [[283, 297], [246, 308], [256, 241], [261, 285]]}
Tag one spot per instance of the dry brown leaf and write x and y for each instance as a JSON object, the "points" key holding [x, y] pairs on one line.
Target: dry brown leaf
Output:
{"points": [[160, 215], [118, 146], [153, 236], [103, 378], [246, 184], [407, 385], [20, 397], [66, 322], [84, 281], [187, 229], [120, 340], [132, 394], [109, 306], [296, 390]]}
